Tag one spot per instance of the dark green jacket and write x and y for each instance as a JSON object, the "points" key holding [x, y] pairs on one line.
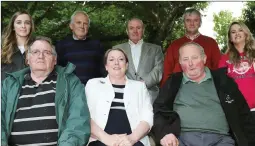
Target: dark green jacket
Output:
{"points": [[72, 112]]}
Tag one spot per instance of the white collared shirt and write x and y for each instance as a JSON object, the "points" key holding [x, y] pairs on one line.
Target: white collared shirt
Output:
{"points": [[136, 50], [75, 38], [194, 37], [22, 49]]}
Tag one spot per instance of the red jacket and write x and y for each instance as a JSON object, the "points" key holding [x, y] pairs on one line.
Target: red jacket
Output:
{"points": [[171, 63]]}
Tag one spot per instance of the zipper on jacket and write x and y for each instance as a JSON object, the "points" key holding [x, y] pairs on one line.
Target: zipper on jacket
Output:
{"points": [[237, 141], [57, 105], [14, 110], [223, 107]]}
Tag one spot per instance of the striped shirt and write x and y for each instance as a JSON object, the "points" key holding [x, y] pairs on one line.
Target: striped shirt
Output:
{"points": [[117, 120], [35, 118]]}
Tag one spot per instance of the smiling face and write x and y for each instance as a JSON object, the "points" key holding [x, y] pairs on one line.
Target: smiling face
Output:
{"points": [[39, 61], [80, 25], [135, 30], [22, 25], [192, 23], [192, 62], [116, 63], [237, 34]]}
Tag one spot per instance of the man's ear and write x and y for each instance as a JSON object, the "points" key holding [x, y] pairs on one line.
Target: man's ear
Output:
{"points": [[205, 57], [55, 60], [71, 26]]}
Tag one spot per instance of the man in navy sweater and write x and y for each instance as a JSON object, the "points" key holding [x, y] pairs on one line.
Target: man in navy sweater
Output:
{"points": [[86, 54]]}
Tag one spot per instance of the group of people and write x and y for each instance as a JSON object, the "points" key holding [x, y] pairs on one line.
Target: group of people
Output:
{"points": [[77, 94]]}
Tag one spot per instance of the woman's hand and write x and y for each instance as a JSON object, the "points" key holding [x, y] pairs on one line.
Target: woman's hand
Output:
{"points": [[128, 140], [113, 140]]}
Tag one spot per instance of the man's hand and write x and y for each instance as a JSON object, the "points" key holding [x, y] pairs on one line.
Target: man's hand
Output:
{"points": [[169, 140]]}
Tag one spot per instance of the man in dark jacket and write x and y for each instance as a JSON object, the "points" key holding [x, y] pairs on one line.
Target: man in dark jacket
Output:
{"points": [[201, 107]]}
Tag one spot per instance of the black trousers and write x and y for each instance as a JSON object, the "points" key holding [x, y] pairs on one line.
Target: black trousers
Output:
{"points": [[98, 143]]}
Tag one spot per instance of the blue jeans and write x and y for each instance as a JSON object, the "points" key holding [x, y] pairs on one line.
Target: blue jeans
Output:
{"points": [[205, 139]]}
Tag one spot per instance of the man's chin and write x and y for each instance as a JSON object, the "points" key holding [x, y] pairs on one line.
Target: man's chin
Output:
{"points": [[192, 76], [81, 37]]}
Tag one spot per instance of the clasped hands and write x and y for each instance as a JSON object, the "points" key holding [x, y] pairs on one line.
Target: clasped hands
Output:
{"points": [[120, 140]]}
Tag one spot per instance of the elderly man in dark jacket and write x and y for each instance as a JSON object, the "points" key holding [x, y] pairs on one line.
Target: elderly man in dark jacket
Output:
{"points": [[201, 107]]}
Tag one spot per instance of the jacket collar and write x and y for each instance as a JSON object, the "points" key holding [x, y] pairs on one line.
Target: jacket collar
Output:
{"points": [[220, 79], [107, 80]]}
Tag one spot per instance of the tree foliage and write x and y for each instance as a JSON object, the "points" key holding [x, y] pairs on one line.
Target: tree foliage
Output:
{"points": [[221, 24], [108, 19], [249, 16]]}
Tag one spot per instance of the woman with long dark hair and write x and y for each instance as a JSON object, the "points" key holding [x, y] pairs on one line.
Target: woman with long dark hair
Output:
{"points": [[16, 37]]}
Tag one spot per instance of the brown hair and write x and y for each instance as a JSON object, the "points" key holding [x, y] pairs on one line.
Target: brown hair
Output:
{"points": [[9, 38], [249, 48], [114, 49]]}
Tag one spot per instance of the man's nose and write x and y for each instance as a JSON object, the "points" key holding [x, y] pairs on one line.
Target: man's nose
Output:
{"points": [[41, 55], [190, 62], [83, 25]]}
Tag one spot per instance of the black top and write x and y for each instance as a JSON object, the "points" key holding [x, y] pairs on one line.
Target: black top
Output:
{"points": [[117, 120], [18, 63]]}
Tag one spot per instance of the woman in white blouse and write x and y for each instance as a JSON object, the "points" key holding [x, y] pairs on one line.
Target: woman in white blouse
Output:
{"points": [[120, 109]]}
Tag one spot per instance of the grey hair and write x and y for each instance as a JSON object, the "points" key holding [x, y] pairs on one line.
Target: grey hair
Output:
{"points": [[135, 19], [201, 49], [192, 11], [46, 39], [79, 12]]}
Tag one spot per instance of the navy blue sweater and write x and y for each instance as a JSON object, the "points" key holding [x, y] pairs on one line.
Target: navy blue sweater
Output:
{"points": [[86, 55]]}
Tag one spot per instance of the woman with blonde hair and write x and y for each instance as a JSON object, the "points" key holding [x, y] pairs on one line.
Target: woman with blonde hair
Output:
{"points": [[240, 60], [16, 37]]}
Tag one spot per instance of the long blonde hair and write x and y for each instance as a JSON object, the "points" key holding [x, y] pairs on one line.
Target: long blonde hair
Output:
{"points": [[249, 48], [9, 41]]}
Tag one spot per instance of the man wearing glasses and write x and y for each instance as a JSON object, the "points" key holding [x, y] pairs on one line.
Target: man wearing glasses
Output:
{"points": [[44, 104]]}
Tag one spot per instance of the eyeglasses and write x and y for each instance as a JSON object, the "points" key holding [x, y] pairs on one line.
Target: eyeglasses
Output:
{"points": [[45, 53]]}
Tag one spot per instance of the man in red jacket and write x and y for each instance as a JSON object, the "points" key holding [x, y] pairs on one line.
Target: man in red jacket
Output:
{"points": [[192, 22]]}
